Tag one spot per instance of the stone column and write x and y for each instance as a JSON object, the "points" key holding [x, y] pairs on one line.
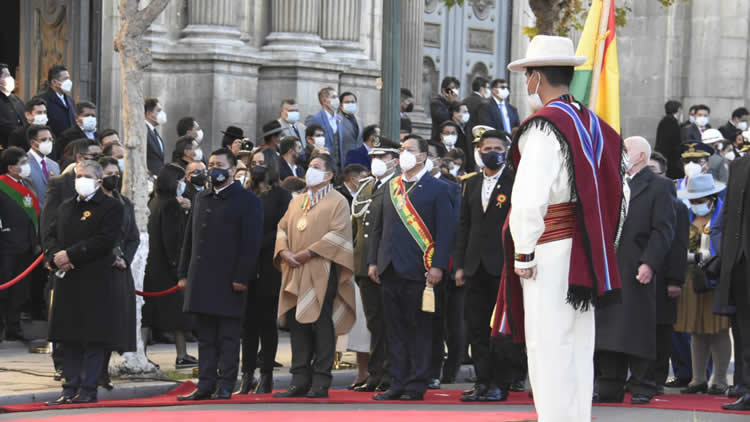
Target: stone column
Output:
{"points": [[412, 49], [212, 22], [340, 27], [294, 26]]}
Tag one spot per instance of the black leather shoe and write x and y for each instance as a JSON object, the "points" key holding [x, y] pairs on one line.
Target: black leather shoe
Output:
{"points": [[412, 396], [383, 386], [475, 393], [186, 362], [356, 385], [247, 384], [292, 391], [434, 384], [494, 393], [701, 388], [640, 399], [83, 398], [598, 398], [677, 383], [468, 392], [715, 390], [265, 385], [317, 394], [105, 382], [222, 394], [743, 403], [388, 395], [736, 391], [196, 395], [63, 399], [366, 388], [58, 375], [518, 387]]}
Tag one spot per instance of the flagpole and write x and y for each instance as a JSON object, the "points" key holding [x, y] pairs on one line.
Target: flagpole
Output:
{"points": [[601, 43]]}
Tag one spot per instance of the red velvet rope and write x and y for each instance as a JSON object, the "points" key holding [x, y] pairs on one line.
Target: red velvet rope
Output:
{"points": [[158, 294], [23, 274]]}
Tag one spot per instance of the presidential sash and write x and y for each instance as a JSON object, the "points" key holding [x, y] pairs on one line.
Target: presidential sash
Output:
{"points": [[411, 219], [22, 196]]}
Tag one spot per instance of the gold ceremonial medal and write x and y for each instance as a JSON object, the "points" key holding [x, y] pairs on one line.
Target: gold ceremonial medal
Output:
{"points": [[302, 224]]}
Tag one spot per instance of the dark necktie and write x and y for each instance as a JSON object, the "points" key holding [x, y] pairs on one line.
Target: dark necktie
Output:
{"points": [[45, 173], [158, 138]]}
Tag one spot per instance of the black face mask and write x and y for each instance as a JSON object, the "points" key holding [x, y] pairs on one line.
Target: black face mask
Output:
{"points": [[110, 182], [258, 174], [409, 108], [199, 180]]}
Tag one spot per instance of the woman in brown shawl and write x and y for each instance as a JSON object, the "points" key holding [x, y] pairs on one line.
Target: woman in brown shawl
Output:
{"points": [[314, 252]]}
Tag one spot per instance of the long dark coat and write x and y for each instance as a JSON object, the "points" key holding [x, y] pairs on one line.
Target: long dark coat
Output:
{"points": [[630, 326], [668, 141], [275, 203], [735, 242], [221, 247], [675, 266], [126, 247], [166, 230], [84, 308]]}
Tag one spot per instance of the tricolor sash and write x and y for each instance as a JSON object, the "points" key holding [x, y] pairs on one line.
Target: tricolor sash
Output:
{"points": [[411, 219], [22, 196]]}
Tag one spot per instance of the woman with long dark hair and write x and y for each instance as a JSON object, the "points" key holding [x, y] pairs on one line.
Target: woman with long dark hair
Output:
{"points": [[263, 289]]}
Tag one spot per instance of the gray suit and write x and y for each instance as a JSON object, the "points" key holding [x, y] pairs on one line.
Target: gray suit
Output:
{"points": [[38, 181], [351, 136]]}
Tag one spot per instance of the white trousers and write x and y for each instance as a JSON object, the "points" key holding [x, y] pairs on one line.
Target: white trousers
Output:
{"points": [[559, 340]]}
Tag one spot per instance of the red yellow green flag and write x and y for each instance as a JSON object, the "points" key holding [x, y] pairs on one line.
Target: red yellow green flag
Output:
{"points": [[597, 82]]}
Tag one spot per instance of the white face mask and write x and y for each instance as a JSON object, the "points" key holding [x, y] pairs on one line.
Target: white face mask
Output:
{"points": [[25, 170], [487, 93], [742, 126], [85, 186], [198, 154], [478, 159], [450, 140], [730, 155], [701, 210], [10, 84], [45, 147], [161, 118], [701, 121], [292, 117], [692, 169], [453, 169], [429, 165], [199, 135], [534, 100], [335, 104], [314, 177], [503, 93], [465, 117], [180, 188], [67, 85], [40, 119], [378, 167], [320, 141], [89, 124], [691, 119], [350, 108], [407, 160]]}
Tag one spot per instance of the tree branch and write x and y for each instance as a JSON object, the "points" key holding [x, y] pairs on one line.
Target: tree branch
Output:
{"points": [[146, 16]]}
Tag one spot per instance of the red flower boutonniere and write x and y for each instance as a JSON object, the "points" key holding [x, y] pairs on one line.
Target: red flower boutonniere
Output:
{"points": [[501, 199], [86, 215]]}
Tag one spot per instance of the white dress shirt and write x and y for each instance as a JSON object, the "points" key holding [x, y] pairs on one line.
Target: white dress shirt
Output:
{"points": [[415, 178], [503, 112], [332, 121], [488, 185]]}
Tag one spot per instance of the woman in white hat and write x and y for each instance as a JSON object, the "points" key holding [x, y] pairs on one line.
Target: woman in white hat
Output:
{"points": [[718, 165], [695, 309]]}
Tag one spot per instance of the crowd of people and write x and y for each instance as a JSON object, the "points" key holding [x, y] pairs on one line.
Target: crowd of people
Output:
{"points": [[405, 251]]}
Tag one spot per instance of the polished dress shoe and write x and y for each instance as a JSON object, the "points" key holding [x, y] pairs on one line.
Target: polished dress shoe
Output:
{"points": [[65, 398], [478, 391], [356, 385], [715, 390], [736, 391], [366, 388], [58, 374], [677, 383], [292, 391], [640, 399], [701, 388], [434, 384], [186, 362], [411, 396], [743, 403], [222, 394], [518, 387], [383, 386], [265, 385], [317, 393], [247, 384], [469, 392], [388, 395], [196, 395], [84, 398], [494, 393]]}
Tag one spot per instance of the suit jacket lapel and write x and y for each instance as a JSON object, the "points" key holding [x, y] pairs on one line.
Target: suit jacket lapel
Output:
{"points": [[639, 183]]}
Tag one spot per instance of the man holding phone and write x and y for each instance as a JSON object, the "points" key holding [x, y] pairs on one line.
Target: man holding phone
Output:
{"points": [[440, 105]]}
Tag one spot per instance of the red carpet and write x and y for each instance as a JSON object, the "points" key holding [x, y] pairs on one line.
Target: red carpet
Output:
{"points": [[700, 403], [302, 416]]}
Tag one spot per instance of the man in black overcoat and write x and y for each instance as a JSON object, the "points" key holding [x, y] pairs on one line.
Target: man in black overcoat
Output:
{"points": [[626, 332], [219, 256], [668, 139], [78, 246]]}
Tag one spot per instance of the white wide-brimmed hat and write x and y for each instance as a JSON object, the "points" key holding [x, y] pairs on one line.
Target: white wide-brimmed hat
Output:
{"points": [[712, 136], [700, 186], [546, 51]]}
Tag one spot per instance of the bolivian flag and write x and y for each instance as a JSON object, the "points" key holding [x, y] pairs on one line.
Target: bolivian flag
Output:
{"points": [[597, 82]]}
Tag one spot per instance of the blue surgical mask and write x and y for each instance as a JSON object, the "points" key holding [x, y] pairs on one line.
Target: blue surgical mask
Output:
{"points": [[493, 160], [180, 188], [701, 210], [218, 176]]}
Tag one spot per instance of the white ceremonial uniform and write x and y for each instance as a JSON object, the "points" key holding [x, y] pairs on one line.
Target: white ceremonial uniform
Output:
{"points": [[559, 339]]}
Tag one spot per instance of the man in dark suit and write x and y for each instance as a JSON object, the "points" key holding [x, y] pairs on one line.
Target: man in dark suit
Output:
{"points": [[331, 122], [42, 167], [626, 332], [668, 139], [60, 104], [219, 255], [399, 260], [361, 155], [11, 107], [500, 114], [289, 149], [479, 255], [740, 117], [477, 102], [693, 132], [35, 113], [351, 126], [440, 105], [155, 148], [352, 174], [85, 128], [669, 283], [196, 177]]}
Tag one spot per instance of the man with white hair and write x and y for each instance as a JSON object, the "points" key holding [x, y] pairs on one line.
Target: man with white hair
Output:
{"points": [[626, 332]]}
